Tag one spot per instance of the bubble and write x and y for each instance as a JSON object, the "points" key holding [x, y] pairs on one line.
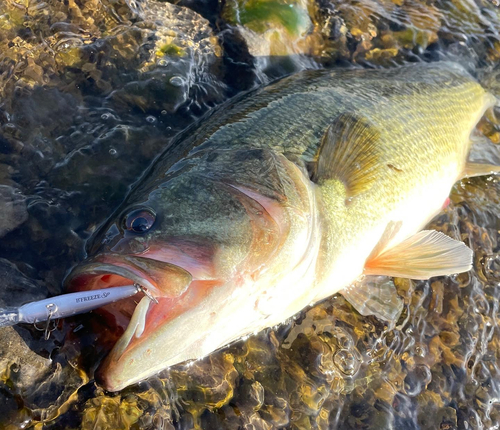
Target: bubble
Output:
{"points": [[420, 350], [113, 151], [346, 362], [491, 267], [344, 339], [163, 63], [105, 116], [151, 119], [164, 112], [177, 81]]}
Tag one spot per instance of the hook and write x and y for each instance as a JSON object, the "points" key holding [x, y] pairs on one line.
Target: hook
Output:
{"points": [[51, 310], [146, 292]]}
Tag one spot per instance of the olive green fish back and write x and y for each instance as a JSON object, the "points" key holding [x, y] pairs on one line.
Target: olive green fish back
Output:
{"points": [[424, 105], [292, 115]]}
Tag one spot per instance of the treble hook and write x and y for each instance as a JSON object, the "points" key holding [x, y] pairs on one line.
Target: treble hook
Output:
{"points": [[146, 293], [51, 311]]}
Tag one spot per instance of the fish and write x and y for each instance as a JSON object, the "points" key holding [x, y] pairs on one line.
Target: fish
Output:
{"points": [[317, 184]]}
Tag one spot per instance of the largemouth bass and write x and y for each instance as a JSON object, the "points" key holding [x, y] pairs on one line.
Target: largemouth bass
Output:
{"points": [[317, 184]]}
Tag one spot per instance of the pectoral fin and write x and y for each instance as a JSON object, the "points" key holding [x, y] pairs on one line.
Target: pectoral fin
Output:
{"points": [[349, 152], [389, 234], [424, 255], [375, 295]]}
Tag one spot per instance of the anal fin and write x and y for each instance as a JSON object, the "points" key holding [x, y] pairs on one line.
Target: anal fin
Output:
{"points": [[375, 295], [480, 169], [424, 255], [483, 159]]}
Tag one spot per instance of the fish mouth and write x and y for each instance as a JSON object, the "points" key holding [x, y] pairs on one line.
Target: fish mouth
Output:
{"points": [[131, 321]]}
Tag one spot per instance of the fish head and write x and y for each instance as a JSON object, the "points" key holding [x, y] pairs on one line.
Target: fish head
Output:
{"points": [[193, 243]]}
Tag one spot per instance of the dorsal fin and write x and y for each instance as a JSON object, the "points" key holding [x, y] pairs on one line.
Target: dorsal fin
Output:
{"points": [[349, 152]]}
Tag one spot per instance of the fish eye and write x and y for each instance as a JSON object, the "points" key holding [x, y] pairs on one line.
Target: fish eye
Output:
{"points": [[139, 220]]}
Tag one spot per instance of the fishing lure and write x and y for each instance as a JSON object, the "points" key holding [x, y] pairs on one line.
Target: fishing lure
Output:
{"points": [[67, 305]]}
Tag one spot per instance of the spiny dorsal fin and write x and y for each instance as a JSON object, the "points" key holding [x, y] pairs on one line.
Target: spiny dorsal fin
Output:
{"points": [[375, 295], [424, 255], [349, 152]]}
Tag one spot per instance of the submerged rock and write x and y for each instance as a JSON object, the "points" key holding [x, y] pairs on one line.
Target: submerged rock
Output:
{"points": [[272, 27], [281, 35], [13, 209]]}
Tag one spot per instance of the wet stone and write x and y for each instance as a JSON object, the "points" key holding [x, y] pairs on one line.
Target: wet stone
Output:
{"points": [[19, 362], [13, 207], [17, 288]]}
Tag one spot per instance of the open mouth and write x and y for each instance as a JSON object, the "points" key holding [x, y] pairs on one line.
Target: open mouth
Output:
{"points": [[96, 275], [164, 285], [131, 323]]}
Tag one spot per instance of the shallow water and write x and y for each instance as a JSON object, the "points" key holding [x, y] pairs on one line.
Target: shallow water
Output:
{"points": [[92, 90]]}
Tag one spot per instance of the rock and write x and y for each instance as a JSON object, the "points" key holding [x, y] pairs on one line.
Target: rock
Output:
{"points": [[13, 209]]}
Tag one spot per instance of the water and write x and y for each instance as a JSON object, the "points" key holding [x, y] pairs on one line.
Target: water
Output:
{"points": [[91, 92]]}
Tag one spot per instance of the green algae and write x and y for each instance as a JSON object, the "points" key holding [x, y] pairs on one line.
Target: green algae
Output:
{"points": [[170, 49], [260, 15]]}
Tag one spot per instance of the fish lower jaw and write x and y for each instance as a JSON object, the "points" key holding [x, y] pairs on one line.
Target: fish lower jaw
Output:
{"points": [[192, 335], [126, 319]]}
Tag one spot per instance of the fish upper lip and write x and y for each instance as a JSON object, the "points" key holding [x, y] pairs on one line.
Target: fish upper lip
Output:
{"points": [[98, 267]]}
